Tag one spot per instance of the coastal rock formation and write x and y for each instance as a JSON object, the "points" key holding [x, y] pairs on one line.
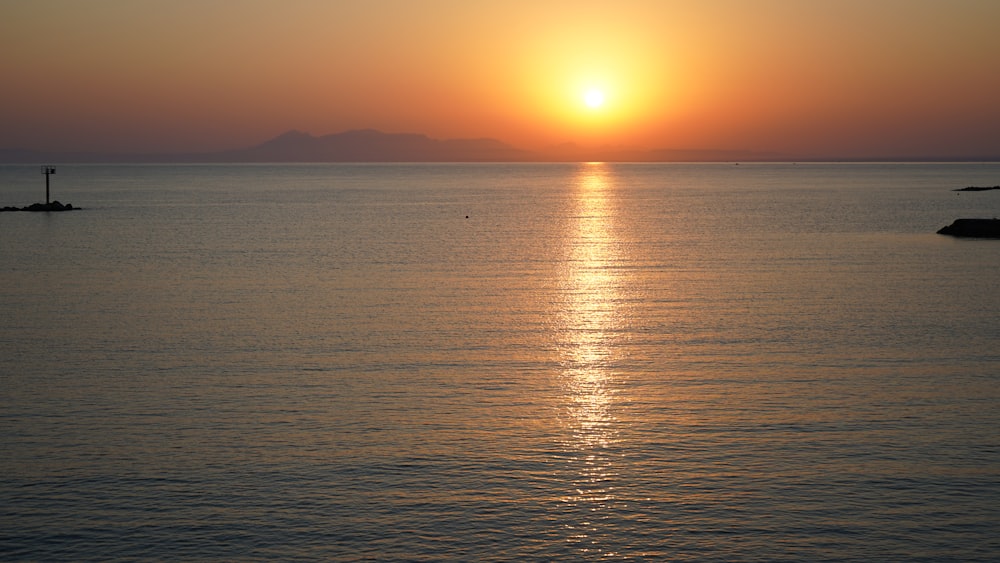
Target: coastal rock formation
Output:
{"points": [[52, 206], [978, 228]]}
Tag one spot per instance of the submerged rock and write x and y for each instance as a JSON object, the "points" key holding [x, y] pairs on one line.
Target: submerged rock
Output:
{"points": [[978, 228]]}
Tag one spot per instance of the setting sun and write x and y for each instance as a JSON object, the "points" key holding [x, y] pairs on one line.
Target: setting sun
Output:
{"points": [[593, 98], [780, 77]]}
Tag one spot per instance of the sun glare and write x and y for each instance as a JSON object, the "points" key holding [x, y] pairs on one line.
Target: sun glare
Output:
{"points": [[593, 98]]}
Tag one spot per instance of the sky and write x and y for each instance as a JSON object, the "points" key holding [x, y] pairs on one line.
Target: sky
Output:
{"points": [[844, 78]]}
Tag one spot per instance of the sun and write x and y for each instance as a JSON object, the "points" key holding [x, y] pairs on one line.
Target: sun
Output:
{"points": [[593, 98]]}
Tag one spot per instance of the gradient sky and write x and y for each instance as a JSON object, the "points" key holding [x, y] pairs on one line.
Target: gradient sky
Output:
{"points": [[838, 78]]}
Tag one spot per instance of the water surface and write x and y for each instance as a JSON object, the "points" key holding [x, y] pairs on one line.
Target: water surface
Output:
{"points": [[763, 362]]}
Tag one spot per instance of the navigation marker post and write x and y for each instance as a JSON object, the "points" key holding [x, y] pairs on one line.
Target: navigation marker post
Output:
{"points": [[47, 170]]}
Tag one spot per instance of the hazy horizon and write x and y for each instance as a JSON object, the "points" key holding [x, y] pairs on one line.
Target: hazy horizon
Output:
{"points": [[382, 146], [851, 80]]}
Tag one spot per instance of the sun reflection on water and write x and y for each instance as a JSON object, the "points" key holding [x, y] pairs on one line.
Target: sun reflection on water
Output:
{"points": [[590, 325]]}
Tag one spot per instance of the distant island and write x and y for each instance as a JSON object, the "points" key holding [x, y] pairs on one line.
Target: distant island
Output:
{"points": [[370, 145], [976, 189]]}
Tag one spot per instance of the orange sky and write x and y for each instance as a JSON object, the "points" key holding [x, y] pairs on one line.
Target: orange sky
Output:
{"points": [[845, 78]]}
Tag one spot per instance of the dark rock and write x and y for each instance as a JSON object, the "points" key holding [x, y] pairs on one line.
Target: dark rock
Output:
{"points": [[976, 189], [52, 206], [978, 228]]}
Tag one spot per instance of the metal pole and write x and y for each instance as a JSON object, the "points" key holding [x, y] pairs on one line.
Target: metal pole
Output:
{"points": [[47, 170]]}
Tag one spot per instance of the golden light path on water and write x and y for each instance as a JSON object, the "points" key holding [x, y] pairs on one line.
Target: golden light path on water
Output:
{"points": [[590, 323]]}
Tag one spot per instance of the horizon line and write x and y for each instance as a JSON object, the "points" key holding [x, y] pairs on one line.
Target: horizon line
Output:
{"points": [[559, 153]]}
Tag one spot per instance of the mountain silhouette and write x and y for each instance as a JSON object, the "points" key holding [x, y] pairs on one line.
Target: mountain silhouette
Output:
{"points": [[363, 145], [369, 145]]}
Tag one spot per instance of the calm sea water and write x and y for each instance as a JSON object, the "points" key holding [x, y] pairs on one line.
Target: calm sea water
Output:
{"points": [[756, 362]]}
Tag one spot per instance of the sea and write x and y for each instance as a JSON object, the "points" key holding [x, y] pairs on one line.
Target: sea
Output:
{"points": [[500, 362]]}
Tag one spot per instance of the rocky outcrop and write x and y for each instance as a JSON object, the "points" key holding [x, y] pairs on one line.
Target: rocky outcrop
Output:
{"points": [[976, 189], [977, 228], [51, 206]]}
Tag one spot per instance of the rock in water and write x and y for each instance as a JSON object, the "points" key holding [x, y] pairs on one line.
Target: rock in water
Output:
{"points": [[52, 206], [978, 228]]}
